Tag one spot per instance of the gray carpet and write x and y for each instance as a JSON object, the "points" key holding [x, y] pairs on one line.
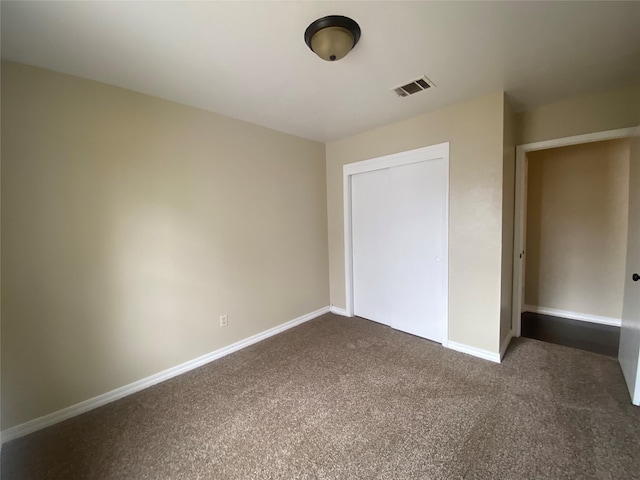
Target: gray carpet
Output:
{"points": [[348, 398]]}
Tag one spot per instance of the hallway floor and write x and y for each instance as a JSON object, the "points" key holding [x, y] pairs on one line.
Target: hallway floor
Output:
{"points": [[592, 337]]}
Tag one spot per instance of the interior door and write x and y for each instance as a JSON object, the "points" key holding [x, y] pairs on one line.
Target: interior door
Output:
{"points": [[399, 250], [629, 352]]}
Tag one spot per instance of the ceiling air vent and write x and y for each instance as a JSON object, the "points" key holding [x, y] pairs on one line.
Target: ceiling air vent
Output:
{"points": [[416, 86]]}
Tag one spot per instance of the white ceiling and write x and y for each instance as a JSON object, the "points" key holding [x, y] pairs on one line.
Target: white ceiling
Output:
{"points": [[248, 60]]}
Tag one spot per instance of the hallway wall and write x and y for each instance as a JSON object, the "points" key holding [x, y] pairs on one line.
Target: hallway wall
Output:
{"points": [[577, 206]]}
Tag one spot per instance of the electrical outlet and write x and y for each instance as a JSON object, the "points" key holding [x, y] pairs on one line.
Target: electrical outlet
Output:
{"points": [[223, 320]]}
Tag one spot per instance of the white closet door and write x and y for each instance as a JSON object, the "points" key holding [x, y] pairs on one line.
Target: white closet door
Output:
{"points": [[399, 264]]}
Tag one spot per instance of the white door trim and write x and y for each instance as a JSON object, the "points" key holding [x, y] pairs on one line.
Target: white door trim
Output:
{"points": [[519, 240], [434, 152]]}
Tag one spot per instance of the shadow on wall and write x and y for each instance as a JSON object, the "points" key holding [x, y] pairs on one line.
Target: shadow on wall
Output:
{"points": [[105, 289]]}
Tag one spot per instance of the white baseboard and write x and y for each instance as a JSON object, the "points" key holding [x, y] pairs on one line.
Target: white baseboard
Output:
{"points": [[95, 402], [505, 344], [476, 352], [339, 311], [585, 317]]}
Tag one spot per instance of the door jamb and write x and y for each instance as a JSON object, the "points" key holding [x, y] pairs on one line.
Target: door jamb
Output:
{"points": [[519, 240], [434, 152]]}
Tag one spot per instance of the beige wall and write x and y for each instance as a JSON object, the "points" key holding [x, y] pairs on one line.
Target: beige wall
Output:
{"points": [[577, 204], [599, 112], [130, 224], [474, 130], [508, 205]]}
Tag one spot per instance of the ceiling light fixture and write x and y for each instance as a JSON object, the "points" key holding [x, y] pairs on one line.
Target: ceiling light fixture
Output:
{"points": [[332, 37]]}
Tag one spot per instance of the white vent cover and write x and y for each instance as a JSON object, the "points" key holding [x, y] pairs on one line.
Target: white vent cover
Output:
{"points": [[418, 85]]}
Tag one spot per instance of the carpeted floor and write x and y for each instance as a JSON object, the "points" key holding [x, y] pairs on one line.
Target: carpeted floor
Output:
{"points": [[348, 398]]}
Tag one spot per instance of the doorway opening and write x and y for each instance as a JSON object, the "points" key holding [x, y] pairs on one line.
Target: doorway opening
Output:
{"points": [[570, 239]]}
